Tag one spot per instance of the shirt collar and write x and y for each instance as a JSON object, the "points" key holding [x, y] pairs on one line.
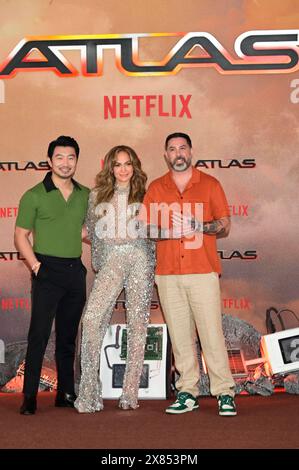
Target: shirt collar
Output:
{"points": [[195, 178], [50, 186]]}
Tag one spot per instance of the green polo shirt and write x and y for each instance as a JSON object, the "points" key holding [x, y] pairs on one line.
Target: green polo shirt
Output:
{"points": [[56, 224]]}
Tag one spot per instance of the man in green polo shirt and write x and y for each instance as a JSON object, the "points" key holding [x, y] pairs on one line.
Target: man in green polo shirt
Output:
{"points": [[54, 212]]}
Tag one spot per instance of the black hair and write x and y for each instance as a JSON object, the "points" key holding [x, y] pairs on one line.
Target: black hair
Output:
{"points": [[63, 141], [178, 134]]}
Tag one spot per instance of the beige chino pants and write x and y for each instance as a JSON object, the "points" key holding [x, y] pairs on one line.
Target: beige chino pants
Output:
{"points": [[192, 302]]}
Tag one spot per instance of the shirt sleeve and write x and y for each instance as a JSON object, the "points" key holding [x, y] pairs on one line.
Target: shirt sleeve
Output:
{"points": [[27, 211], [219, 203]]}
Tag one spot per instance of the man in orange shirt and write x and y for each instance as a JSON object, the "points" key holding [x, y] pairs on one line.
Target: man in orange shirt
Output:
{"points": [[192, 204]]}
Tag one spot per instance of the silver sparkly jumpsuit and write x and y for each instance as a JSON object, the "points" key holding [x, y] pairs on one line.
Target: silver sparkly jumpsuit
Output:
{"points": [[120, 262]]}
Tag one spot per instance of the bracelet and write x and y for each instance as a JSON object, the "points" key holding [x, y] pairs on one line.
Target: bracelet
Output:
{"points": [[36, 265]]}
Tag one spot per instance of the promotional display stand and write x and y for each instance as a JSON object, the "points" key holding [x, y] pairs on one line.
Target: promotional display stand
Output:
{"points": [[155, 378]]}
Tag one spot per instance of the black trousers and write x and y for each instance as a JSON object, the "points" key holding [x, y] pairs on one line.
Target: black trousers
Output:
{"points": [[58, 291]]}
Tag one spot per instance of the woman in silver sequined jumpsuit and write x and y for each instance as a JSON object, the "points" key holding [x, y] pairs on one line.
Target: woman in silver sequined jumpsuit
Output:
{"points": [[122, 259]]}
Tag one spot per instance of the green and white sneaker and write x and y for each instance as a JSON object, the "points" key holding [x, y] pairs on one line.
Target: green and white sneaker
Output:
{"points": [[226, 405], [184, 402]]}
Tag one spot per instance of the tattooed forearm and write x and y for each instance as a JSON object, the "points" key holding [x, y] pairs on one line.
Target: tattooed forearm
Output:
{"points": [[220, 227], [214, 227]]}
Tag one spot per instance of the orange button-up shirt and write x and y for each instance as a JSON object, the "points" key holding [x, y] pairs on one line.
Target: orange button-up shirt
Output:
{"points": [[174, 256]]}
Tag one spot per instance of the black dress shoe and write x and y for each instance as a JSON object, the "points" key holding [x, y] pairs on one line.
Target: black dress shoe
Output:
{"points": [[65, 400], [29, 405]]}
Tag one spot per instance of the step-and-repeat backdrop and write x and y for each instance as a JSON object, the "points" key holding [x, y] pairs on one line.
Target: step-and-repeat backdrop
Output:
{"points": [[108, 73]]}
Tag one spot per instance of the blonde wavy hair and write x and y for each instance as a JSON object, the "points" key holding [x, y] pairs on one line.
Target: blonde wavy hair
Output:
{"points": [[105, 179]]}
